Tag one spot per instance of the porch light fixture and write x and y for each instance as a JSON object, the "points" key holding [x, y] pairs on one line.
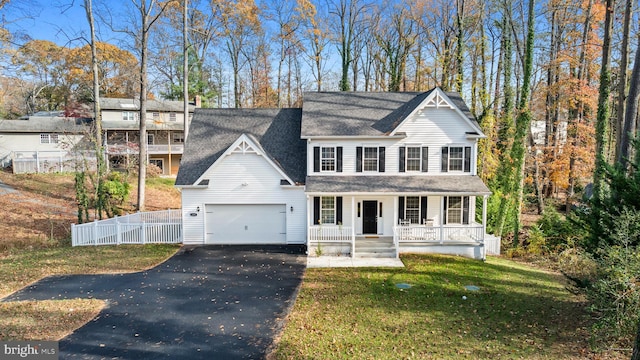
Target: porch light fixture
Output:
{"points": [[291, 208], [198, 209]]}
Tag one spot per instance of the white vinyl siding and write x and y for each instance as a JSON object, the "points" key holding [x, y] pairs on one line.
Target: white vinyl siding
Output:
{"points": [[244, 179]]}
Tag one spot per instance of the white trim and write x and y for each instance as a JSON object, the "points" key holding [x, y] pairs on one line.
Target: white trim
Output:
{"points": [[440, 99], [252, 148]]}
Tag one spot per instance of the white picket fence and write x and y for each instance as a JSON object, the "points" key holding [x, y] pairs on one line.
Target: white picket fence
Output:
{"points": [[154, 227]]}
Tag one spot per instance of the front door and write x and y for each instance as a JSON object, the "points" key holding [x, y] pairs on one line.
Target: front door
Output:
{"points": [[369, 217]]}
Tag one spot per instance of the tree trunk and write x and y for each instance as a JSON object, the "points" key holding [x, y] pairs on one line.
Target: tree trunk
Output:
{"points": [[602, 120], [523, 125], [185, 70], [631, 110], [636, 345], [622, 137]]}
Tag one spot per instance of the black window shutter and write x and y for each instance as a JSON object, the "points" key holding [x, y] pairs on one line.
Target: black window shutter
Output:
{"points": [[425, 159], [359, 159], [316, 210], [339, 159], [445, 159], [401, 208], [381, 158], [467, 159], [316, 159], [338, 209], [423, 209], [444, 213], [465, 210], [401, 160]]}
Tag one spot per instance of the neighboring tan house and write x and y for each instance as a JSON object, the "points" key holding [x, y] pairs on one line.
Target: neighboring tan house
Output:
{"points": [[165, 132], [364, 174]]}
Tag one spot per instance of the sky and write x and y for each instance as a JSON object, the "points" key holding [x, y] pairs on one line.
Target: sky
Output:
{"points": [[63, 22]]}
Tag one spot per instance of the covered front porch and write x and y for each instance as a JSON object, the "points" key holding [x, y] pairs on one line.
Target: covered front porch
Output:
{"points": [[374, 224]]}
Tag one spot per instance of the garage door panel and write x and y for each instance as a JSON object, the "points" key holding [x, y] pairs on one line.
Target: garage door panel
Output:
{"points": [[246, 224]]}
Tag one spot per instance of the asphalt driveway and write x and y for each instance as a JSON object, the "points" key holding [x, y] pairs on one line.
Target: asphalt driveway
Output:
{"points": [[212, 302]]}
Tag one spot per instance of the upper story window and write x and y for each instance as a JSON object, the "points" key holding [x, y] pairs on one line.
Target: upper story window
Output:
{"points": [[156, 115], [128, 115], [172, 116], [370, 159], [456, 158], [413, 158], [178, 138], [48, 138], [327, 159]]}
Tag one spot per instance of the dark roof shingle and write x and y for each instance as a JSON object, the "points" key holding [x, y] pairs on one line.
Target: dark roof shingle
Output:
{"points": [[212, 131]]}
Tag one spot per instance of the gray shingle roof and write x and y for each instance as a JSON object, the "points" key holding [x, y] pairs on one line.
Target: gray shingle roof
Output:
{"points": [[37, 124], [134, 104], [212, 131], [423, 184], [363, 113]]}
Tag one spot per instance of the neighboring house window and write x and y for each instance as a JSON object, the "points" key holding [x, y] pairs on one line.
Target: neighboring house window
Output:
{"points": [[413, 158], [128, 115], [157, 162], [456, 158], [327, 210], [48, 138], [456, 210], [327, 158], [172, 116], [150, 139], [412, 209], [370, 159], [156, 115], [178, 138]]}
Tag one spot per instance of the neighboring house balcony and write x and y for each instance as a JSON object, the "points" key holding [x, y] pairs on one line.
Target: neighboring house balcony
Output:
{"points": [[386, 216], [133, 149]]}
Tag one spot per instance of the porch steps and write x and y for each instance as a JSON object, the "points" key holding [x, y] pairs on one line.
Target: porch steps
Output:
{"points": [[373, 247]]}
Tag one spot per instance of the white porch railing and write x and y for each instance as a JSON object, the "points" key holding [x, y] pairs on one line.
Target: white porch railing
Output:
{"points": [[330, 233], [437, 234], [157, 227]]}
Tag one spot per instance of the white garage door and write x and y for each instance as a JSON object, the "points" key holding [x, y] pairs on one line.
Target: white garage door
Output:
{"points": [[246, 224]]}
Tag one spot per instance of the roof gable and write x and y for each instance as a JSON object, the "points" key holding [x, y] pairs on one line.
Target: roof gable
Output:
{"points": [[273, 132], [436, 99], [247, 144]]}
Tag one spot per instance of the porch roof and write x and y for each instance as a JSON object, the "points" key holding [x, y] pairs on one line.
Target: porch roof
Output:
{"points": [[450, 185]]}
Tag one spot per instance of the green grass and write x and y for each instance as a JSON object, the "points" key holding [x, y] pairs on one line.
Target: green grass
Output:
{"points": [[160, 182], [359, 313]]}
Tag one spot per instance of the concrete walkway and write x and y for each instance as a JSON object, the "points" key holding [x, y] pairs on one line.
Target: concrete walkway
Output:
{"points": [[212, 302], [6, 189], [346, 261]]}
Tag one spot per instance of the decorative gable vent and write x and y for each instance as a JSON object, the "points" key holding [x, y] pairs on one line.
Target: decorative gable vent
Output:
{"points": [[438, 101], [244, 148]]}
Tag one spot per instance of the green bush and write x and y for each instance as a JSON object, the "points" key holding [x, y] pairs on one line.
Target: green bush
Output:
{"points": [[615, 295], [116, 190], [559, 233]]}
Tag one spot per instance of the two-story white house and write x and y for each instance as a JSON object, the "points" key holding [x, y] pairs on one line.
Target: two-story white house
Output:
{"points": [[360, 174]]}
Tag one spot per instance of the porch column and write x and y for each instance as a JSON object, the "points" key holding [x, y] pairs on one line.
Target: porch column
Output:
{"points": [[441, 219], [169, 148], [309, 215], [396, 215], [484, 216], [353, 226]]}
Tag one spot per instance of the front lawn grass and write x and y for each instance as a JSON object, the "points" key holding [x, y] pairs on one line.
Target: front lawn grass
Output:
{"points": [[360, 313]]}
